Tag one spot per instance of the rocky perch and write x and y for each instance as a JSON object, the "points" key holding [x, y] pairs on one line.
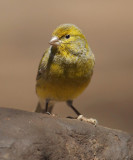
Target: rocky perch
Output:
{"points": [[35, 136]]}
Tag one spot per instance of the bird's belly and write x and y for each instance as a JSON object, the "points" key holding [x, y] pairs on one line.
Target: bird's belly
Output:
{"points": [[60, 90]]}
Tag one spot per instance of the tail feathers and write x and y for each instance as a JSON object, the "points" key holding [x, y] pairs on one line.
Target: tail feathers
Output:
{"points": [[41, 108]]}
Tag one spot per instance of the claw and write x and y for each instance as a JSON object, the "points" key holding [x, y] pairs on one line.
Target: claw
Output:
{"points": [[48, 113], [89, 120]]}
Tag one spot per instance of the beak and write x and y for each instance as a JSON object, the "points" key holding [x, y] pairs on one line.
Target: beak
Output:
{"points": [[54, 41]]}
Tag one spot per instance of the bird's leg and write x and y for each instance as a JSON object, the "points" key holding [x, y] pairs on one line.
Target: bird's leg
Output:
{"points": [[46, 107], [81, 117], [73, 108], [50, 108]]}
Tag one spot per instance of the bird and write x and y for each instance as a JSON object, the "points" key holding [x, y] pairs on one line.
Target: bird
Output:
{"points": [[65, 69]]}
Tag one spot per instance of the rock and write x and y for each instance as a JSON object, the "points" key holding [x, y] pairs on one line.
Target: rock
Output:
{"points": [[35, 136]]}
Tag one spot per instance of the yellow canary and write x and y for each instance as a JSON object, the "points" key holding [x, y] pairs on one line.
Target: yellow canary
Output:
{"points": [[65, 69]]}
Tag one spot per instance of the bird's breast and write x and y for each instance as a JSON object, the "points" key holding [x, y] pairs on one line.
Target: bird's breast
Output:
{"points": [[71, 68]]}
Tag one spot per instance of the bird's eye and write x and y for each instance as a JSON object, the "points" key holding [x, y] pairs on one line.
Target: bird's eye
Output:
{"points": [[67, 36]]}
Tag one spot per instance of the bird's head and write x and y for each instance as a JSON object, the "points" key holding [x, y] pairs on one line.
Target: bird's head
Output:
{"points": [[69, 38]]}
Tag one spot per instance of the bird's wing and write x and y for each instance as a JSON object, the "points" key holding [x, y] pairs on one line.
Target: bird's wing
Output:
{"points": [[41, 68]]}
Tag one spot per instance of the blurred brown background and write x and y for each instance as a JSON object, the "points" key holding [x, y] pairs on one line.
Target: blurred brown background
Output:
{"points": [[25, 30]]}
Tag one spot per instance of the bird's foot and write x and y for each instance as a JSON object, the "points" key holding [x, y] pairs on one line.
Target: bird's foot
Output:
{"points": [[48, 113], [89, 120], [70, 117]]}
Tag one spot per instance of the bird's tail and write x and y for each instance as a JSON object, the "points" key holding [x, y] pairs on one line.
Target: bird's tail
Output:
{"points": [[41, 107]]}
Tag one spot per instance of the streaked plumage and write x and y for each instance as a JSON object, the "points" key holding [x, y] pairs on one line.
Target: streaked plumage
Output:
{"points": [[66, 67]]}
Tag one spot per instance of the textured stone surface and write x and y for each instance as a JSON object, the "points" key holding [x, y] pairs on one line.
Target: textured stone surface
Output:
{"points": [[34, 136]]}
